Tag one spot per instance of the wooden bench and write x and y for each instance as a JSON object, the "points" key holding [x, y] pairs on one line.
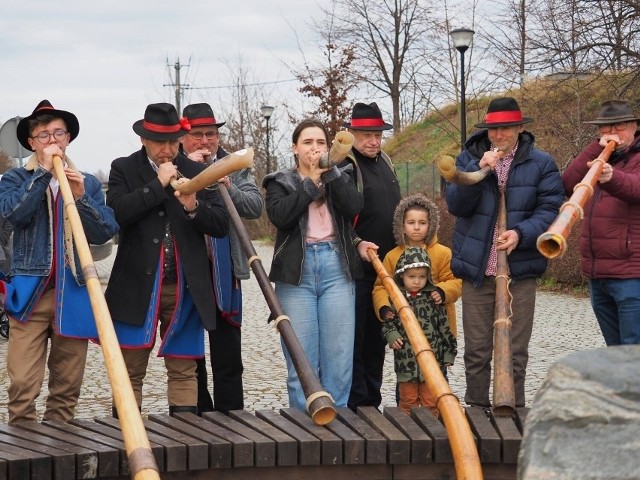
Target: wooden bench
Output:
{"points": [[268, 445]]}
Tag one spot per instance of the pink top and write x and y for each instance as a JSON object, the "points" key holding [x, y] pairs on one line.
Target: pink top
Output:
{"points": [[320, 224]]}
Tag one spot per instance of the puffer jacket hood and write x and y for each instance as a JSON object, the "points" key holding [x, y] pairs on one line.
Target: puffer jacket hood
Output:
{"points": [[421, 201], [414, 257]]}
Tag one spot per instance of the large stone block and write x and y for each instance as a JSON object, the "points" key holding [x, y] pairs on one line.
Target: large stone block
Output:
{"points": [[585, 420]]}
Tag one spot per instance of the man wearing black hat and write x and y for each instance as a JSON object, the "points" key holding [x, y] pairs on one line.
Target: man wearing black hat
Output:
{"points": [[608, 246], [376, 179], [201, 144], [45, 294], [161, 273], [534, 193]]}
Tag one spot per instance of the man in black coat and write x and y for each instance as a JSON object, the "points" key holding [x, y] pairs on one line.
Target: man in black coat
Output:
{"points": [[161, 273], [376, 179]]}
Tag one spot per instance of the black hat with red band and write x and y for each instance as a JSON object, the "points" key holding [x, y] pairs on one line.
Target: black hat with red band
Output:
{"points": [[503, 112], [161, 123], [200, 114], [367, 117], [42, 109]]}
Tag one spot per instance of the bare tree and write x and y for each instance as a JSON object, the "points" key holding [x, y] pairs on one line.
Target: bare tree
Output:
{"points": [[239, 106], [439, 85], [584, 35], [326, 82], [386, 36], [505, 33], [537, 37], [328, 85], [612, 36]]}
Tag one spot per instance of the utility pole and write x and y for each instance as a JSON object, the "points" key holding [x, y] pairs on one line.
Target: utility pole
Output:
{"points": [[177, 85]]}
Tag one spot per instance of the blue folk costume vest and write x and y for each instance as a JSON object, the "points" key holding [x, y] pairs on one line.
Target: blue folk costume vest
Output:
{"points": [[184, 337], [73, 313], [226, 288]]}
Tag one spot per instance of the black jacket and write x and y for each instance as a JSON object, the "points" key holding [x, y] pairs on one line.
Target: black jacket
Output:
{"points": [[377, 181], [141, 205], [288, 200]]}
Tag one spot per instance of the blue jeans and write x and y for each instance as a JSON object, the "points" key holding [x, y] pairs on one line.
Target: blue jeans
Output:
{"points": [[616, 303], [322, 313]]}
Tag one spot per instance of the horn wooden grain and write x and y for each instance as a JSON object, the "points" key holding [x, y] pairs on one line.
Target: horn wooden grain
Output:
{"points": [[141, 460]]}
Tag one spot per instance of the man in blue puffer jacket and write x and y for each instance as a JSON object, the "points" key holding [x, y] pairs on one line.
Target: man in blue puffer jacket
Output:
{"points": [[534, 192]]}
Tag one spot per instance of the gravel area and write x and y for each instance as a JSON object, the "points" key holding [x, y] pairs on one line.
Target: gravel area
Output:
{"points": [[563, 324]]}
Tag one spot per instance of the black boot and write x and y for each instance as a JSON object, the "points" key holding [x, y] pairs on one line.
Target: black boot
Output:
{"points": [[182, 409]]}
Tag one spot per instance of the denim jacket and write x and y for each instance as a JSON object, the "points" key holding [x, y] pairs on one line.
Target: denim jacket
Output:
{"points": [[24, 201]]}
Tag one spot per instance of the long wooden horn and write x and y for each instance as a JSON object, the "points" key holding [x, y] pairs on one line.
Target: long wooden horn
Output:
{"points": [[553, 242], [504, 402], [214, 172], [320, 405], [142, 464], [504, 397], [463, 447]]}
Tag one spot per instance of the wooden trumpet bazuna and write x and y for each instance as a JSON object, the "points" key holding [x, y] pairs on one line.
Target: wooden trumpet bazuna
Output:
{"points": [[504, 396], [504, 401], [553, 242], [320, 405], [286, 444], [141, 460], [465, 453]]}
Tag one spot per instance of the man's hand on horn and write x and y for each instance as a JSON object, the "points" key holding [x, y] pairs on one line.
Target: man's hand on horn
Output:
{"points": [[490, 159]]}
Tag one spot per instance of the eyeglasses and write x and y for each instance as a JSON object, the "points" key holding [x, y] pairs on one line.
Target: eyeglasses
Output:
{"points": [[199, 135], [618, 127], [43, 137]]}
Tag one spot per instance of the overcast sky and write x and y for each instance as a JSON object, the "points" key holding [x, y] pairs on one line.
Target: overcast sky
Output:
{"points": [[105, 61]]}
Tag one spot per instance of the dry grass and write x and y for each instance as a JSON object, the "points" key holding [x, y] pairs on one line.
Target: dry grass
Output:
{"points": [[559, 109]]}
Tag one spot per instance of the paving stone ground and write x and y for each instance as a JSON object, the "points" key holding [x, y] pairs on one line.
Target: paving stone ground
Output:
{"points": [[563, 324]]}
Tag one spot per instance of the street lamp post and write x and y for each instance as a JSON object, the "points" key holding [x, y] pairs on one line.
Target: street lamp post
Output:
{"points": [[462, 38], [267, 111]]}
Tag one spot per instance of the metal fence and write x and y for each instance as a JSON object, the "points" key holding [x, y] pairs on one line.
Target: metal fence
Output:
{"points": [[418, 178]]}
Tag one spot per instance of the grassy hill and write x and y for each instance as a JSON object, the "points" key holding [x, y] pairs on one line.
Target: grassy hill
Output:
{"points": [[558, 105]]}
